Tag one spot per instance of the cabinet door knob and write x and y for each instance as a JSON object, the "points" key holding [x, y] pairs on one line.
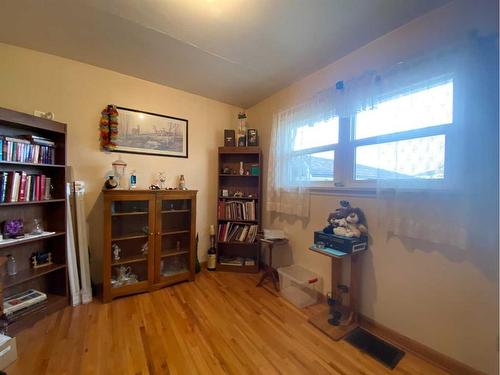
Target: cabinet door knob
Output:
{"points": [[151, 234]]}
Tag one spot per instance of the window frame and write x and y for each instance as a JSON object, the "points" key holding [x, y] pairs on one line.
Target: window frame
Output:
{"points": [[344, 170]]}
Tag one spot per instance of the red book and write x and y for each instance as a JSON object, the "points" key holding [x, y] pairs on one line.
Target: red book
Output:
{"points": [[22, 187], [37, 187], [42, 187]]}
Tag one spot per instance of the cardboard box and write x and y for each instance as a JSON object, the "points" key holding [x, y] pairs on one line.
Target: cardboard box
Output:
{"points": [[8, 351]]}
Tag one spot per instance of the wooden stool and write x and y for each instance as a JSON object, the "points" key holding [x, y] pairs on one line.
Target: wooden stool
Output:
{"points": [[269, 271]]}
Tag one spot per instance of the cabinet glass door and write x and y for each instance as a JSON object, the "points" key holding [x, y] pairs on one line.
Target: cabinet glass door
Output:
{"points": [[173, 238], [130, 243]]}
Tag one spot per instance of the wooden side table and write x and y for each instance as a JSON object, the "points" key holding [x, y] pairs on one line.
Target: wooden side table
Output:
{"points": [[320, 320], [269, 271]]}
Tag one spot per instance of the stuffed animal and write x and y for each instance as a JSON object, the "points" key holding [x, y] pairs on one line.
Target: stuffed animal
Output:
{"points": [[340, 213], [353, 225]]}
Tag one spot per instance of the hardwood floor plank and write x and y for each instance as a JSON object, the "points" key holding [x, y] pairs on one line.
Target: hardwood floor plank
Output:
{"points": [[220, 324]]}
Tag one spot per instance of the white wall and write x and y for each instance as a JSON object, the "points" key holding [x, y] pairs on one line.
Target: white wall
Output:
{"points": [[443, 299], [77, 93]]}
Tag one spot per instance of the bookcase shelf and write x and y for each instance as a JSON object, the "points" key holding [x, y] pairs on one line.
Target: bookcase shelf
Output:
{"points": [[245, 213], [29, 274], [45, 201], [52, 279]]}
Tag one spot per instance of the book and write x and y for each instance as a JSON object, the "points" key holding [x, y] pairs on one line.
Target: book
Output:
{"points": [[22, 300], [15, 187], [22, 187]]}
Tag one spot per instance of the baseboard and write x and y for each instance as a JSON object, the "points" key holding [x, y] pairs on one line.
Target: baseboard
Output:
{"points": [[430, 355]]}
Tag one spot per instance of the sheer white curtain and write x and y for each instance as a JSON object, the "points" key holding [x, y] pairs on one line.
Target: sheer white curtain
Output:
{"points": [[289, 175], [455, 205]]}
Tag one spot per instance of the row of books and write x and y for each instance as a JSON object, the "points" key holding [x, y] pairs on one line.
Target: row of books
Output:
{"points": [[236, 210], [21, 187], [236, 261], [230, 232], [27, 149]]}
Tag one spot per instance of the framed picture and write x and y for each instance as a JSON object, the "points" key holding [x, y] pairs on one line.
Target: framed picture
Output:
{"points": [[148, 133], [252, 137], [229, 135]]}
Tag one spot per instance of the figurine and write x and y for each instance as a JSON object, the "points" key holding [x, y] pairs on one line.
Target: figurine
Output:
{"points": [[162, 178], [110, 183], [154, 187], [182, 182], [116, 251], [144, 249]]}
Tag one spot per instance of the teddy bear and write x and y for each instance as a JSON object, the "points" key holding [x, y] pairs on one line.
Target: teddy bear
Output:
{"points": [[340, 213], [352, 225]]}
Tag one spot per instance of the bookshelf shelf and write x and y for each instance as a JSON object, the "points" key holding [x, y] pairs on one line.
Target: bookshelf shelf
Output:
{"points": [[239, 198], [24, 240], [29, 274], [239, 217], [7, 162], [28, 138], [45, 201]]}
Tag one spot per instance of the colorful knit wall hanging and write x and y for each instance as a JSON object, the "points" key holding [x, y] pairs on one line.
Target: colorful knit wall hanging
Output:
{"points": [[109, 127]]}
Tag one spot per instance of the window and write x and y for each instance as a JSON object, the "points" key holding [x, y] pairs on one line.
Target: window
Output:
{"points": [[403, 138], [314, 151]]}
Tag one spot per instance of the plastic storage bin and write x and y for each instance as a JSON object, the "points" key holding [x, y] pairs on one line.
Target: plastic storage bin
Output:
{"points": [[299, 285]]}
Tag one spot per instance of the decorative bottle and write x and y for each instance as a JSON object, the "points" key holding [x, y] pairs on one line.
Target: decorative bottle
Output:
{"points": [[11, 265], [212, 253]]}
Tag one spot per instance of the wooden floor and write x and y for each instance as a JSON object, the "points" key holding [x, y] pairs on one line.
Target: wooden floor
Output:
{"points": [[220, 324]]}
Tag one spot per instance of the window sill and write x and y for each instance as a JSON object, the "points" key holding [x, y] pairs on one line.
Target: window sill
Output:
{"points": [[344, 191]]}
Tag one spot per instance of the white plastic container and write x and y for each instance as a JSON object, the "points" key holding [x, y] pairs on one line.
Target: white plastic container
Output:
{"points": [[299, 285]]}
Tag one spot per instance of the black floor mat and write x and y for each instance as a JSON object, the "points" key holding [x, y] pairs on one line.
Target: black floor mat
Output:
{"points": [[382, 351]]}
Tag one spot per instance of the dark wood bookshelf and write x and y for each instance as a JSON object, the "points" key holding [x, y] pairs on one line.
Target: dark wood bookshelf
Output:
{"points": [[230, 157], [52, 279]]}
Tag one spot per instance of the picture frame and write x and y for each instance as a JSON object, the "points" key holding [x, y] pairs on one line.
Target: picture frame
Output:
{"points": [[229, 138], [141, 132], [252, 137]]}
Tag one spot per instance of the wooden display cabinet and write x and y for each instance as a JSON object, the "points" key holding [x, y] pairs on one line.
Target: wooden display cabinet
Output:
{"points": [[248, 189], [155, 233]]}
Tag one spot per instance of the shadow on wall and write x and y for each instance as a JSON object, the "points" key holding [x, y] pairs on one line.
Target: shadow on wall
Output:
{"points": [[485, 258]]}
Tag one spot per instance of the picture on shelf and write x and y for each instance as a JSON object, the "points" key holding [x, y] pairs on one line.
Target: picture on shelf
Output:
{"points": [[229, 138], [150, 133], [252, 137]]}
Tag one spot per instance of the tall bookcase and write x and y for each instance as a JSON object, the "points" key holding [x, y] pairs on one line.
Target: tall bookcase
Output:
{"points": [[50, 279], [239, 193]]}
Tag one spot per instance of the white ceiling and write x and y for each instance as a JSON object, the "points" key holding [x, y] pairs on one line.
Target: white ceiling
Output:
{"points": [[235, 51]]}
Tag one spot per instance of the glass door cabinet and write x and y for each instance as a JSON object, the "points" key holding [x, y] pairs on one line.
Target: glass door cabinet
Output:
{"points": [[148, 240]]}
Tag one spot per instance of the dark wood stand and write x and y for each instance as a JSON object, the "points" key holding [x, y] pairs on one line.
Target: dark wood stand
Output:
{"points": [[269, 271], [348, 324]]}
